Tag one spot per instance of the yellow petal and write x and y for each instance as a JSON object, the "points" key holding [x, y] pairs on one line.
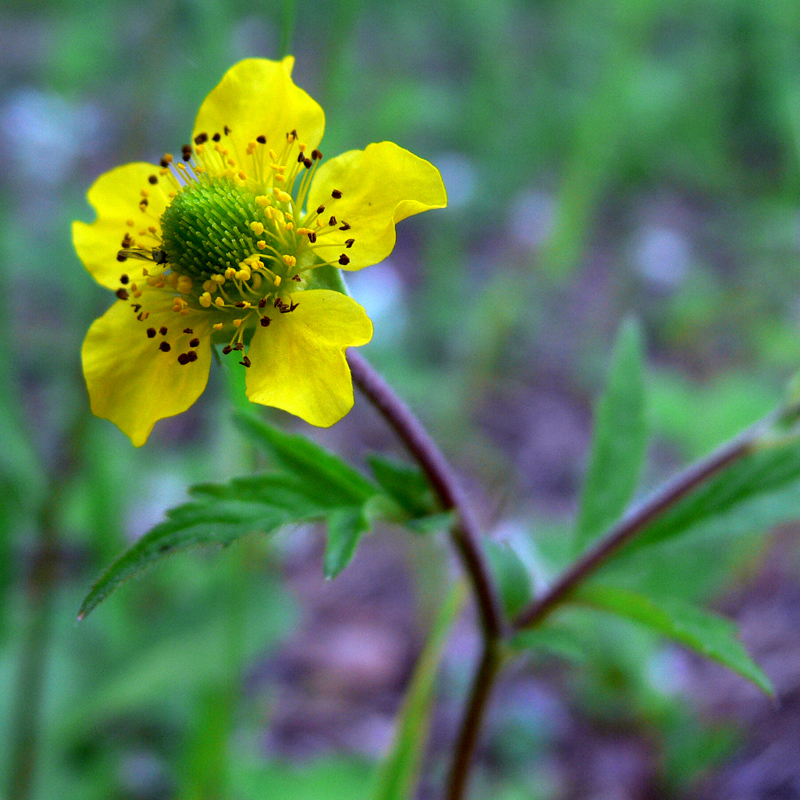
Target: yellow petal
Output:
{"points": [[115, 196], [298, 362], [380, 186], [132, 382], [257, 97]]}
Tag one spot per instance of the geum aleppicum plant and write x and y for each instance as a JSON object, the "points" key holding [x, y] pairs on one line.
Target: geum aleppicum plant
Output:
{"points": [[223, 245]]}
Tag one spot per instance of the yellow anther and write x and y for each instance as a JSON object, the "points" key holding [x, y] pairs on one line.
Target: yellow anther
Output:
{"points": [[230, 273], [246, 304], [184, 285], [290, 261], [231, 162], [205, 300], [152, 229], [243, 275], [277, 280], [144, 193], [278, 168], [168, 158], [199, 149], [152, 280], [256, 280], [301, 146], [199, 170], [304, 231], [261, 244], [172, 279], [130, 223], [280, 178], [262, 200], [218, 278], [243, 175], [217, 326], [145, 271], [257, 228], [272, 155], [282, 196], [210, 286], [237, 323], [219, 302], [289, 226]]}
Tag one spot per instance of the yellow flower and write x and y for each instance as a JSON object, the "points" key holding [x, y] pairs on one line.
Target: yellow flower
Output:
{"points": [[223, 245]]}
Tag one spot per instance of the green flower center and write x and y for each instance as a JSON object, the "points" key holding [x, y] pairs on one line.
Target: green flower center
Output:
{"points": [[206, 229]]}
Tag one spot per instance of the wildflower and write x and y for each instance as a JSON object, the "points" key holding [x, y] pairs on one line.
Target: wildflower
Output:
{"points": [[222, 245]]}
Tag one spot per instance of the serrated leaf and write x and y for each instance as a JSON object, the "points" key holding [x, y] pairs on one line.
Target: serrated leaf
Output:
{"points": [[405, 484], [295, 454], [220, 514], [397, 775], [512, 578], [709, 634], [345, 528], [618, 443], [757, 492]]}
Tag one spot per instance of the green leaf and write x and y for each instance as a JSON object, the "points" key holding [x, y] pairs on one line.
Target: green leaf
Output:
{"points": [[397, 775], [328, 475], [757, 492], [618, 445], [345, 528], [405, 484], [512, 578], [709, 634], [552, 641], [313, 484]]}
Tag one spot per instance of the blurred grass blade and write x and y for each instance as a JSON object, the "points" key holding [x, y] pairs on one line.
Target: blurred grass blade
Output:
{"points": [[618, 445], [709, 634], [398, 774]]}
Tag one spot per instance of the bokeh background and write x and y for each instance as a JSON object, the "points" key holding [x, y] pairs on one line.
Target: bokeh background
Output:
{"points": [[639, 157]]}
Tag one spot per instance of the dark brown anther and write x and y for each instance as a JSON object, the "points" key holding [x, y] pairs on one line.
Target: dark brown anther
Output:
{"points": [[301, 158], [122, 294], [153, 179], [188, 330], [191, 355], [124, 278], [345, 226], [332, 222], [164, 163], [293, 133], [201, 138], [312, 237], [336, 194], [308, 163], [183, 358], [262, 302], [349, 242], [142, 315], [137, 307], [245, 362], [186, 152], [126, 240], [143, 203], [216, 137], [296, 277], [159, 256], [278, 302], [321, 210], [194, 343], [239, 304], [163, 330], [261, 139], [121, 257], [165, 347], [227, 130], [316, 155], [238, 346], [265, 321], [151, 333], [227, 349], [344, 259]]}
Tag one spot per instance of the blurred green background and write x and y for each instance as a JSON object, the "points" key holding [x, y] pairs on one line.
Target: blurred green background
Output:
{"points": [[601, 159]]}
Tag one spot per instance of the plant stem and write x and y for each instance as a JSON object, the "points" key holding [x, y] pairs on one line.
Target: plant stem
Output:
{"points": [[419, 443], [634, 522], [465, 536], [490, 664]]}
